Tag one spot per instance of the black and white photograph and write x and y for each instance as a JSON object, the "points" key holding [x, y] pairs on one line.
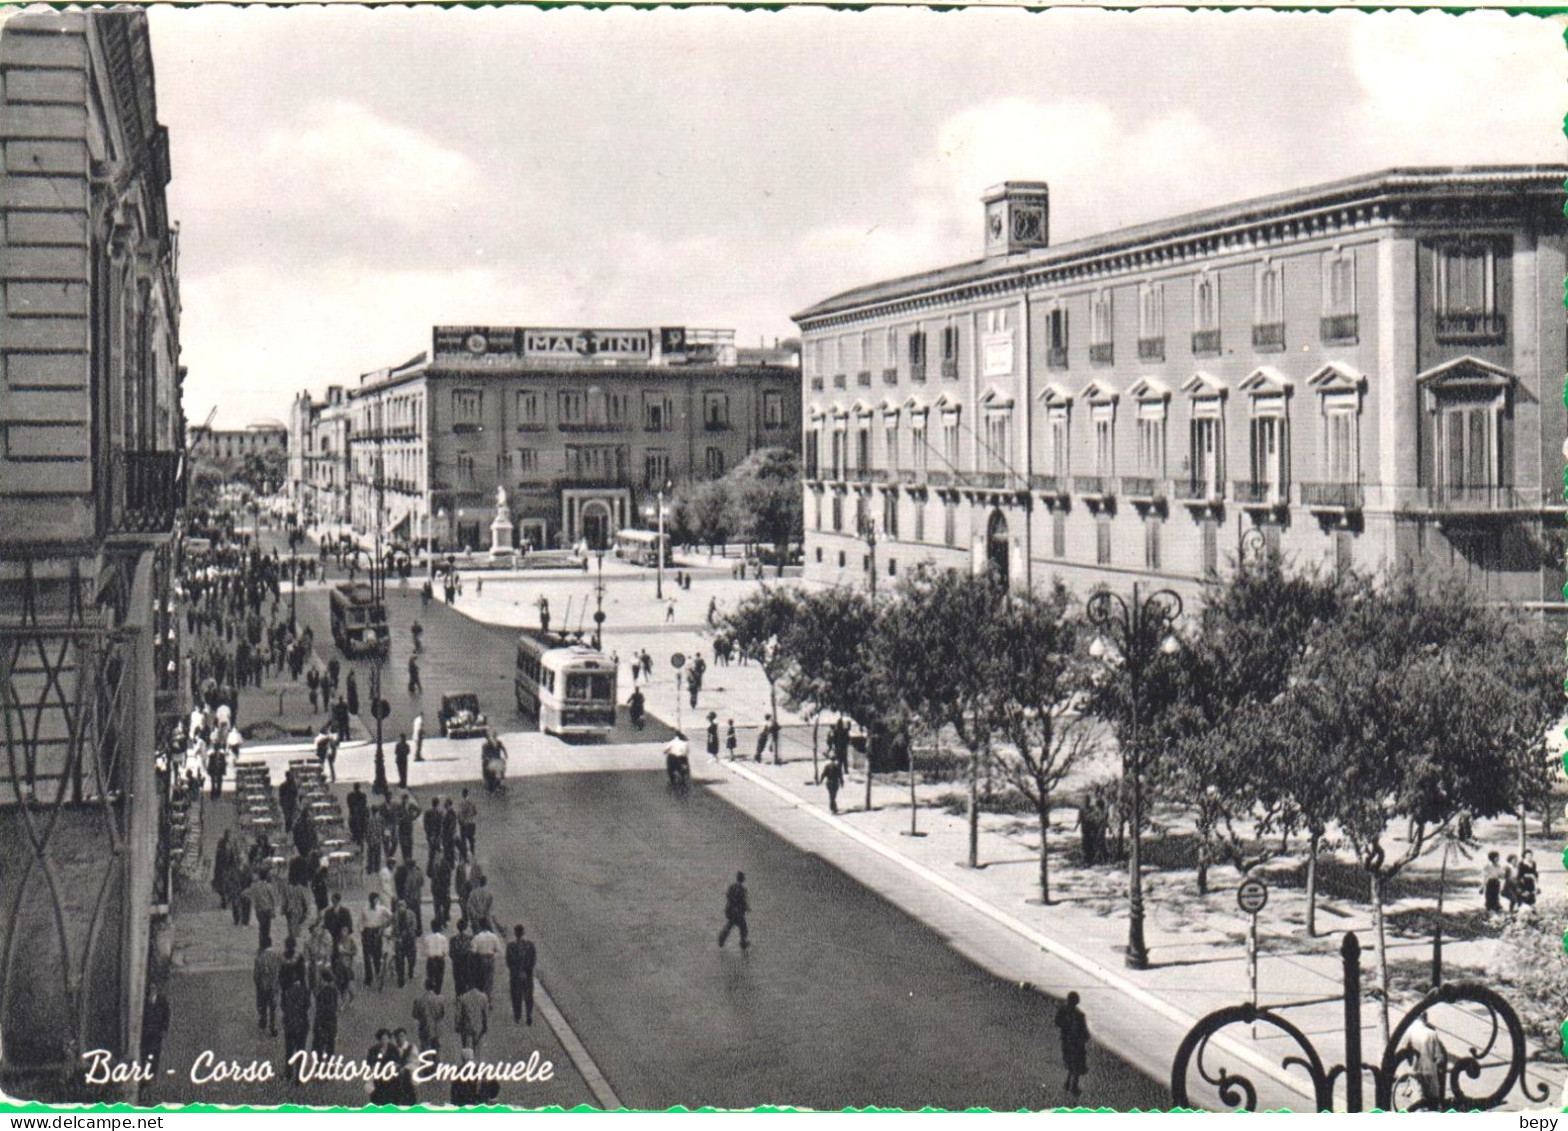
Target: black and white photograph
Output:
{"points": [[614, 558]]}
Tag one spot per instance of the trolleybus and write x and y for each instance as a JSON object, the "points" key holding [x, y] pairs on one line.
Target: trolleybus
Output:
{"points": [[569, 688], [641, 547], [359, 621]]}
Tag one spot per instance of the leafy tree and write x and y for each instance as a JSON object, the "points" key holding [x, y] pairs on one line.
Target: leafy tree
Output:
{"points": [[758, 626], [828, 668], [936, 650], [1400, 693], [708, 513], [765, 500], [1038, 644]]}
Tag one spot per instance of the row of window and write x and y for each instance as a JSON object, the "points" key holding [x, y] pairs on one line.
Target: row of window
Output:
{"points": [[1464, 300], [593, 408], [589, 461]]}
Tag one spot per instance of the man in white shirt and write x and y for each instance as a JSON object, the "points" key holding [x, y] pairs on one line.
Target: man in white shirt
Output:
{"points": [[419, 738], [372, 932], [487, 948], [677, 758], [437, 947]]}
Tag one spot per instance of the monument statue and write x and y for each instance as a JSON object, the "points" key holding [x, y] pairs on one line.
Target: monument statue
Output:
{"points": [[501, 527], [500, 499]]}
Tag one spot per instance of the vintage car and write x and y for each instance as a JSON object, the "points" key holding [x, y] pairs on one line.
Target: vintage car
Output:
{"points": [[461, 716]]}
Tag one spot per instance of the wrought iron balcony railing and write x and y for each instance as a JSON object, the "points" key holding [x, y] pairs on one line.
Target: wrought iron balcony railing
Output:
{"points": [[890, 375], [1102, 353], [1056, 357], [1205, 341], [1094, 486], [1197, 491], [1258, 492], [917, 371], [863, 379], [1151, 349], [148, 490], [939, 478], [950, 368], [1486, 498], [1268, 336], [1339, 327], [1142, 488], [1332, 496], [816, 387], [840, 381], [1470, 326]]}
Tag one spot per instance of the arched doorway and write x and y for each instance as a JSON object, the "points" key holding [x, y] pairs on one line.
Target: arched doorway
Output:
{"points": [[998, 549], [596, 524]]}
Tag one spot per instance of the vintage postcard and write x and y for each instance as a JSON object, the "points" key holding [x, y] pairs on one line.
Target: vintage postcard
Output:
{"points": [[633, 559]]}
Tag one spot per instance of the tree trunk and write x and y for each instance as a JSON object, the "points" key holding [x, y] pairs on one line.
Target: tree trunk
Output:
{"points": [[773, 700], [1044, 809], [816, 725], [1546, 814], [974, 809], [868, 769], [1203, 863], [1313, 843], [1378, 928], [914, 806]]}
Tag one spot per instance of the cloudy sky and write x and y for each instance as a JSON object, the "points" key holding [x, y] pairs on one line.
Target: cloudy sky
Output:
{"points": [[345, 179]]}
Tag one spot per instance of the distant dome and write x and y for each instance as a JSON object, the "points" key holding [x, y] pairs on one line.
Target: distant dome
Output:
{"points": [[266, 424]]}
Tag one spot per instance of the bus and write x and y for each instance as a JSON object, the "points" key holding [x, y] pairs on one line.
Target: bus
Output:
{"points": [[569, 688], [640, 547], [359, 621]]}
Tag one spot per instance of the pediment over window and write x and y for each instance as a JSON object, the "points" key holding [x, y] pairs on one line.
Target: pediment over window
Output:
{"points": [[817, 412], [1468, 373], [1150, 389], [1055, 394], [994, 398], [861, 408], [890, 407], [1098, 392], [1266, 381], [1204, 386], [1336, 377], [917, 405], [840, 412], [947, 403]]}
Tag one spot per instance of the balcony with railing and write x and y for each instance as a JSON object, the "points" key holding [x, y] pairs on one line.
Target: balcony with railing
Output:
{"points": [[593, 426], [716, 425], [949, 369], [1259, 494], [1056, 357], [1053, 485], [1102, 353], [917, 371], [1332, 497], [1143, 489], [910, 477], [840, 381], [1094, 486], [1340, 328], [1151, 349], [890, 375], [939, 478], [816, 387], [1205, 341], [1198, 492], [148, 489], [1471, 326], [987, 480], [863, 379], [1268, 336], [1481, 501]]}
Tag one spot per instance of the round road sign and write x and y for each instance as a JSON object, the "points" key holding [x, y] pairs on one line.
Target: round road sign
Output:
{"points": [[678, 660], [1252, 896]]}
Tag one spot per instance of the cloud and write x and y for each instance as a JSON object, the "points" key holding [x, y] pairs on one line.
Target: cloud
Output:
{"points": [[1492, 88]]}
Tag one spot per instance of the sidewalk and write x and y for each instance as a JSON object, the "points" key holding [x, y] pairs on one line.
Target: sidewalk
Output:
{"points": [[1197, 947]]}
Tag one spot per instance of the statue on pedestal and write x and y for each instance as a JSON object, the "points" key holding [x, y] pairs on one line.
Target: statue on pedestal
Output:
{"points": [[501, 527]]}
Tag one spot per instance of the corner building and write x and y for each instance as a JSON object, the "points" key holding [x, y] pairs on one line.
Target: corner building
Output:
{"points": [[1363, 373], [580, 426], [91, 482]]}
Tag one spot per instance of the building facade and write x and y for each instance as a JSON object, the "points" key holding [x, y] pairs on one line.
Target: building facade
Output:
{"points": [[91, 478], [580, 427], [1363, 373], [318, 481], [263, 437]]}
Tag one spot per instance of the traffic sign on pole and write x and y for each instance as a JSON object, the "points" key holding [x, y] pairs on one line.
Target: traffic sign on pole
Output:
{"points": [[678, 660], [1252, 896]]}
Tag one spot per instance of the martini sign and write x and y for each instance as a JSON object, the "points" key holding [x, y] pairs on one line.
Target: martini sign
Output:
{"points": [[604, 344]]}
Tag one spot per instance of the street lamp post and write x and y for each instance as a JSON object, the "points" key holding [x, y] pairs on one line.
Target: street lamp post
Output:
{"points": [[1138, 630], [598, 604], [658, 552], [866, 527]]}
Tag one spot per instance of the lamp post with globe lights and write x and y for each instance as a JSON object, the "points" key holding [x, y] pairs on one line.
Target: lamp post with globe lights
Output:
{"points": [[1132, 635]]}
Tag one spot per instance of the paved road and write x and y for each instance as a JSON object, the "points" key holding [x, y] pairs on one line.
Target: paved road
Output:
{"points": [[844, 1000]]}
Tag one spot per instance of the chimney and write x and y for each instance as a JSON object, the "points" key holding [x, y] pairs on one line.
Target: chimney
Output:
{"points": [[1017, 217]]}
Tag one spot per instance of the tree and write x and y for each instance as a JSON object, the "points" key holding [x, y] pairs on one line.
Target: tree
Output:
{"points": [[708, 512], [1400, 694], [765, 500], [757, 626], [827, 666], [1041, 671], [935, 650]]}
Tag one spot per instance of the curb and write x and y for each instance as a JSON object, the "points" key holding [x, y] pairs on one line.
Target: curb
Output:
{"points": [[1102, 974]]}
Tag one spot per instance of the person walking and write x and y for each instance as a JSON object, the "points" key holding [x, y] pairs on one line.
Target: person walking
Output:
{"points": [[358, 814], [400, 756], [414, 684], [372, 939], [1528, 878], [713, 735], [440, 890], [449, 832], [264, 973], [763, 733], [833, 779], [468, 824], [437, 948], [324, 1035], [473, 1017], [544, 616], [1073, 1027], [430, 1017], [405, 938], [263, 898], [431, 821], [1431, 1066], [479, 903], [521, 957], [729, 739], [487, 948], [736, 906], [296, 1024], [1492, 883], [351, 693], [407, 816]]}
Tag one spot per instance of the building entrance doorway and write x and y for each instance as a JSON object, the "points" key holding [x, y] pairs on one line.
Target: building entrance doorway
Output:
{"points": [[998, 548], [596, 525]]}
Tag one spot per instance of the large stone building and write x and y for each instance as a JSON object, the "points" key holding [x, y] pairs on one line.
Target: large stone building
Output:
{"points": [[1363, 372], [318, 457], [259, 438], [581, 427], [91, 476]]}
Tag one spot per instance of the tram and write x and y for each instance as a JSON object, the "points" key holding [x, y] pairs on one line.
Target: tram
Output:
{"points": [[568, 687], [641, 547], [359, 621]]}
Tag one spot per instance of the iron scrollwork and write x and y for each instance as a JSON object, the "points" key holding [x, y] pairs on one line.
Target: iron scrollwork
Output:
{"points": [[1237, 1092]]}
